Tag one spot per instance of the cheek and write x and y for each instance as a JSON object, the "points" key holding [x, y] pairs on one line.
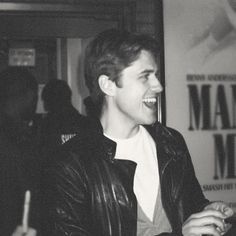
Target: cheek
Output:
{"points": [[131, 103], [131, 96]]}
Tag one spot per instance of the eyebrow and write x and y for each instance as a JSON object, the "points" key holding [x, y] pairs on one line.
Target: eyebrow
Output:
{"points": [[147, 71]]}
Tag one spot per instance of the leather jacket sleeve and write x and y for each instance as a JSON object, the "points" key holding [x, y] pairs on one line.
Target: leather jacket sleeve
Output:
{"points": [[193, 198], [192, 189], [186, 194], [70, 209]]}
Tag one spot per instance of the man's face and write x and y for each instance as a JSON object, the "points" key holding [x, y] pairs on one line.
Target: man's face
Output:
{"points": [[136, 98]]}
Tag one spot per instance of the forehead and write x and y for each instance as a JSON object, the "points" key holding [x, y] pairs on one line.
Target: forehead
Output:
{"points": [[145, 61]]}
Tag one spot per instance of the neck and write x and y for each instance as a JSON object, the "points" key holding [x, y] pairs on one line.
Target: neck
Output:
{"points": [[116, 127]]}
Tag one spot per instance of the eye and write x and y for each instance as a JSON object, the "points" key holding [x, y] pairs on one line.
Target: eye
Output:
{"points": [[144, 77]]}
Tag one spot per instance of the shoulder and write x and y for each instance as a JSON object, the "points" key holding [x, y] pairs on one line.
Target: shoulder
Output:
{"points": [[162, 132], [82, 146], [175, 134], [170, 141]]}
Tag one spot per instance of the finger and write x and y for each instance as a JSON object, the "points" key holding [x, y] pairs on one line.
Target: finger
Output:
{"points": [[203, 230], [208, 220], [221, 206], [32, 232], [209, 212], [228, 211], [214, 205]]}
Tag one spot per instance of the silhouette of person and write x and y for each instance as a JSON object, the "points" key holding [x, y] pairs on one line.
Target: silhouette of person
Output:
{"points": [[62, 121], [19, 167]]}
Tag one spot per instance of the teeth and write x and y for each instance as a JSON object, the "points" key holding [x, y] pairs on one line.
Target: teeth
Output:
{"points": [[150, 100]]}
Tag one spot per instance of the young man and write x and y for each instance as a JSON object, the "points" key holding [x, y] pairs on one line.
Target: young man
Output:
{"points": [[128, 175]]}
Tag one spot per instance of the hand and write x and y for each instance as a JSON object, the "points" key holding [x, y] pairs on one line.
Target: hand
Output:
{"points": [[221, 206], [19, 232], [224, 208], [209, 221]]}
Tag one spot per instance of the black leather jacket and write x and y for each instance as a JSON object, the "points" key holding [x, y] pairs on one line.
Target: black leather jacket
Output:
{"points": [[94, 192]]}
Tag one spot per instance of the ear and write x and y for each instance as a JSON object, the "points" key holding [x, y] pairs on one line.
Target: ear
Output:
{"points": [[106, 85]]}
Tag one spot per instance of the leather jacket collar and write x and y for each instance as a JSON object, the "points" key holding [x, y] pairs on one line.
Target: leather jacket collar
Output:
{"points": [[167, 146]]}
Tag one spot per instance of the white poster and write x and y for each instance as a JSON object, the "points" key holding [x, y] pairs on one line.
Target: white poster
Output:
{"points": [[200, 75]]}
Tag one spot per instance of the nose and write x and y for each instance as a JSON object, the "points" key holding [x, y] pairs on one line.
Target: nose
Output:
{"points": [[155, 85]]}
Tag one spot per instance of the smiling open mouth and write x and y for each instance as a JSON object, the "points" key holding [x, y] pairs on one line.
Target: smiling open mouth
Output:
{"points": [[150, 102]]}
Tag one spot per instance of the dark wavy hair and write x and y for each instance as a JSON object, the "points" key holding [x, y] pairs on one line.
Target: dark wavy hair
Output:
{"points": [[109, 54]]}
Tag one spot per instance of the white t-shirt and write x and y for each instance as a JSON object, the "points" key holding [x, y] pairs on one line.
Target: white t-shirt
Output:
{"points": [[141, 149]]}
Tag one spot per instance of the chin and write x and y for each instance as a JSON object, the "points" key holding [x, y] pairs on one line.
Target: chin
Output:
{"points": [[150, 121]]}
